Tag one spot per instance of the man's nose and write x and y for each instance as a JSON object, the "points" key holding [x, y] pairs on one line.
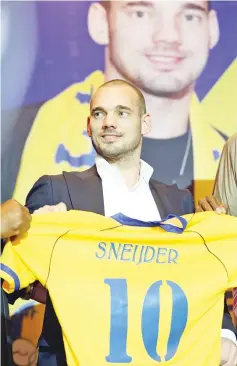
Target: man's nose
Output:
{"points": [[109, 122], [167, 30]]}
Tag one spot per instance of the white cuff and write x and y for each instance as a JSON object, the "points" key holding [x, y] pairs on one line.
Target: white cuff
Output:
{"points": [[226, 333]]}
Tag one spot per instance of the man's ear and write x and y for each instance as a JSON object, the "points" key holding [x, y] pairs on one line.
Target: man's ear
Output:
{"points": [[97, 22], [88, 127], [146, 124], [214, 31]]}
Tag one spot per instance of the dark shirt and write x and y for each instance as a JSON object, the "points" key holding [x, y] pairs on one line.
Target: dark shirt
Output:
{"points": [[166, 156]]}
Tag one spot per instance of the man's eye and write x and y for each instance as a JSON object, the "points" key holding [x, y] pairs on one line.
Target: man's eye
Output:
{"points": [[191, 17], [98, 115], [138, 14], [123, 113]]}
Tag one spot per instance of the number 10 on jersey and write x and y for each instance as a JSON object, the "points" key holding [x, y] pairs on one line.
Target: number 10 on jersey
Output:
{"points": [[149, 320]]}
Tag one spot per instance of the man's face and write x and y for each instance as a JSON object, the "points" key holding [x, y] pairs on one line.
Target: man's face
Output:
{"points": [[115, 122], [161, 46]]}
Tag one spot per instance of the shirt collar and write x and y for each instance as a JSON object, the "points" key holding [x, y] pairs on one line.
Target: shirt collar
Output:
{"points": [[146, 171], [105, 169]]}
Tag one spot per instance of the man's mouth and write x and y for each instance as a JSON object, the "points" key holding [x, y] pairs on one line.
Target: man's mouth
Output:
{"points": [[110, 136], [164, 61]]}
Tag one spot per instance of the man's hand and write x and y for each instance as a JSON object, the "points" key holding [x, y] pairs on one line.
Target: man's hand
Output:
{"points": [[228, 352], [210, 203], [60, 207], [15, 219], [24, 352]]}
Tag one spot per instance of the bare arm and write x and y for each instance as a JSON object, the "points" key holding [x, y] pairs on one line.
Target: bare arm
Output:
{"points": [[225, 188]]}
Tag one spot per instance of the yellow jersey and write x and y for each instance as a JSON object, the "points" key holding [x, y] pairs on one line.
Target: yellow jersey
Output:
{"points": [[61, 124], [126, 291]]}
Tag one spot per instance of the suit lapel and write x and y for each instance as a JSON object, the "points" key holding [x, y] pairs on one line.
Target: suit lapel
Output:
{"points": [[86, 193], [85, 190], [158, 200], [161, 195]]}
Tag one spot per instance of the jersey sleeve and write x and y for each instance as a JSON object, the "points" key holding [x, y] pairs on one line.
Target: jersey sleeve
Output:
{"points": [[29, 259], [14, 271]]}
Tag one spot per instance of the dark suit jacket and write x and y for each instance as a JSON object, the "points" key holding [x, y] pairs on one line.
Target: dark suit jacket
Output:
{"points": [[83, 191]]}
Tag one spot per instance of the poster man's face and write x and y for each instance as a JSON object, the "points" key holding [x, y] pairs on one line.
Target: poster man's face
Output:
{"points": [[160, 46]]}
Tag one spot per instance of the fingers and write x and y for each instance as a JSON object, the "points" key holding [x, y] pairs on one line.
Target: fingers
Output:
{"points": [[222, 209], [24, 352], [210, 203], [60, 207], [217, 206], [204, 205], [15, 219], [213, 202], [43, 209], [26, 218], [25, 221]]}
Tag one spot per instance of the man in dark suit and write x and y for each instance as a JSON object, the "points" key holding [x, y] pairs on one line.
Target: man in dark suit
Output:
{"points": [[119, 181]]}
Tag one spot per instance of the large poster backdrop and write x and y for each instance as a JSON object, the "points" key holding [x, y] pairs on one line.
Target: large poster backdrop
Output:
{"points": [[55, 54]]}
